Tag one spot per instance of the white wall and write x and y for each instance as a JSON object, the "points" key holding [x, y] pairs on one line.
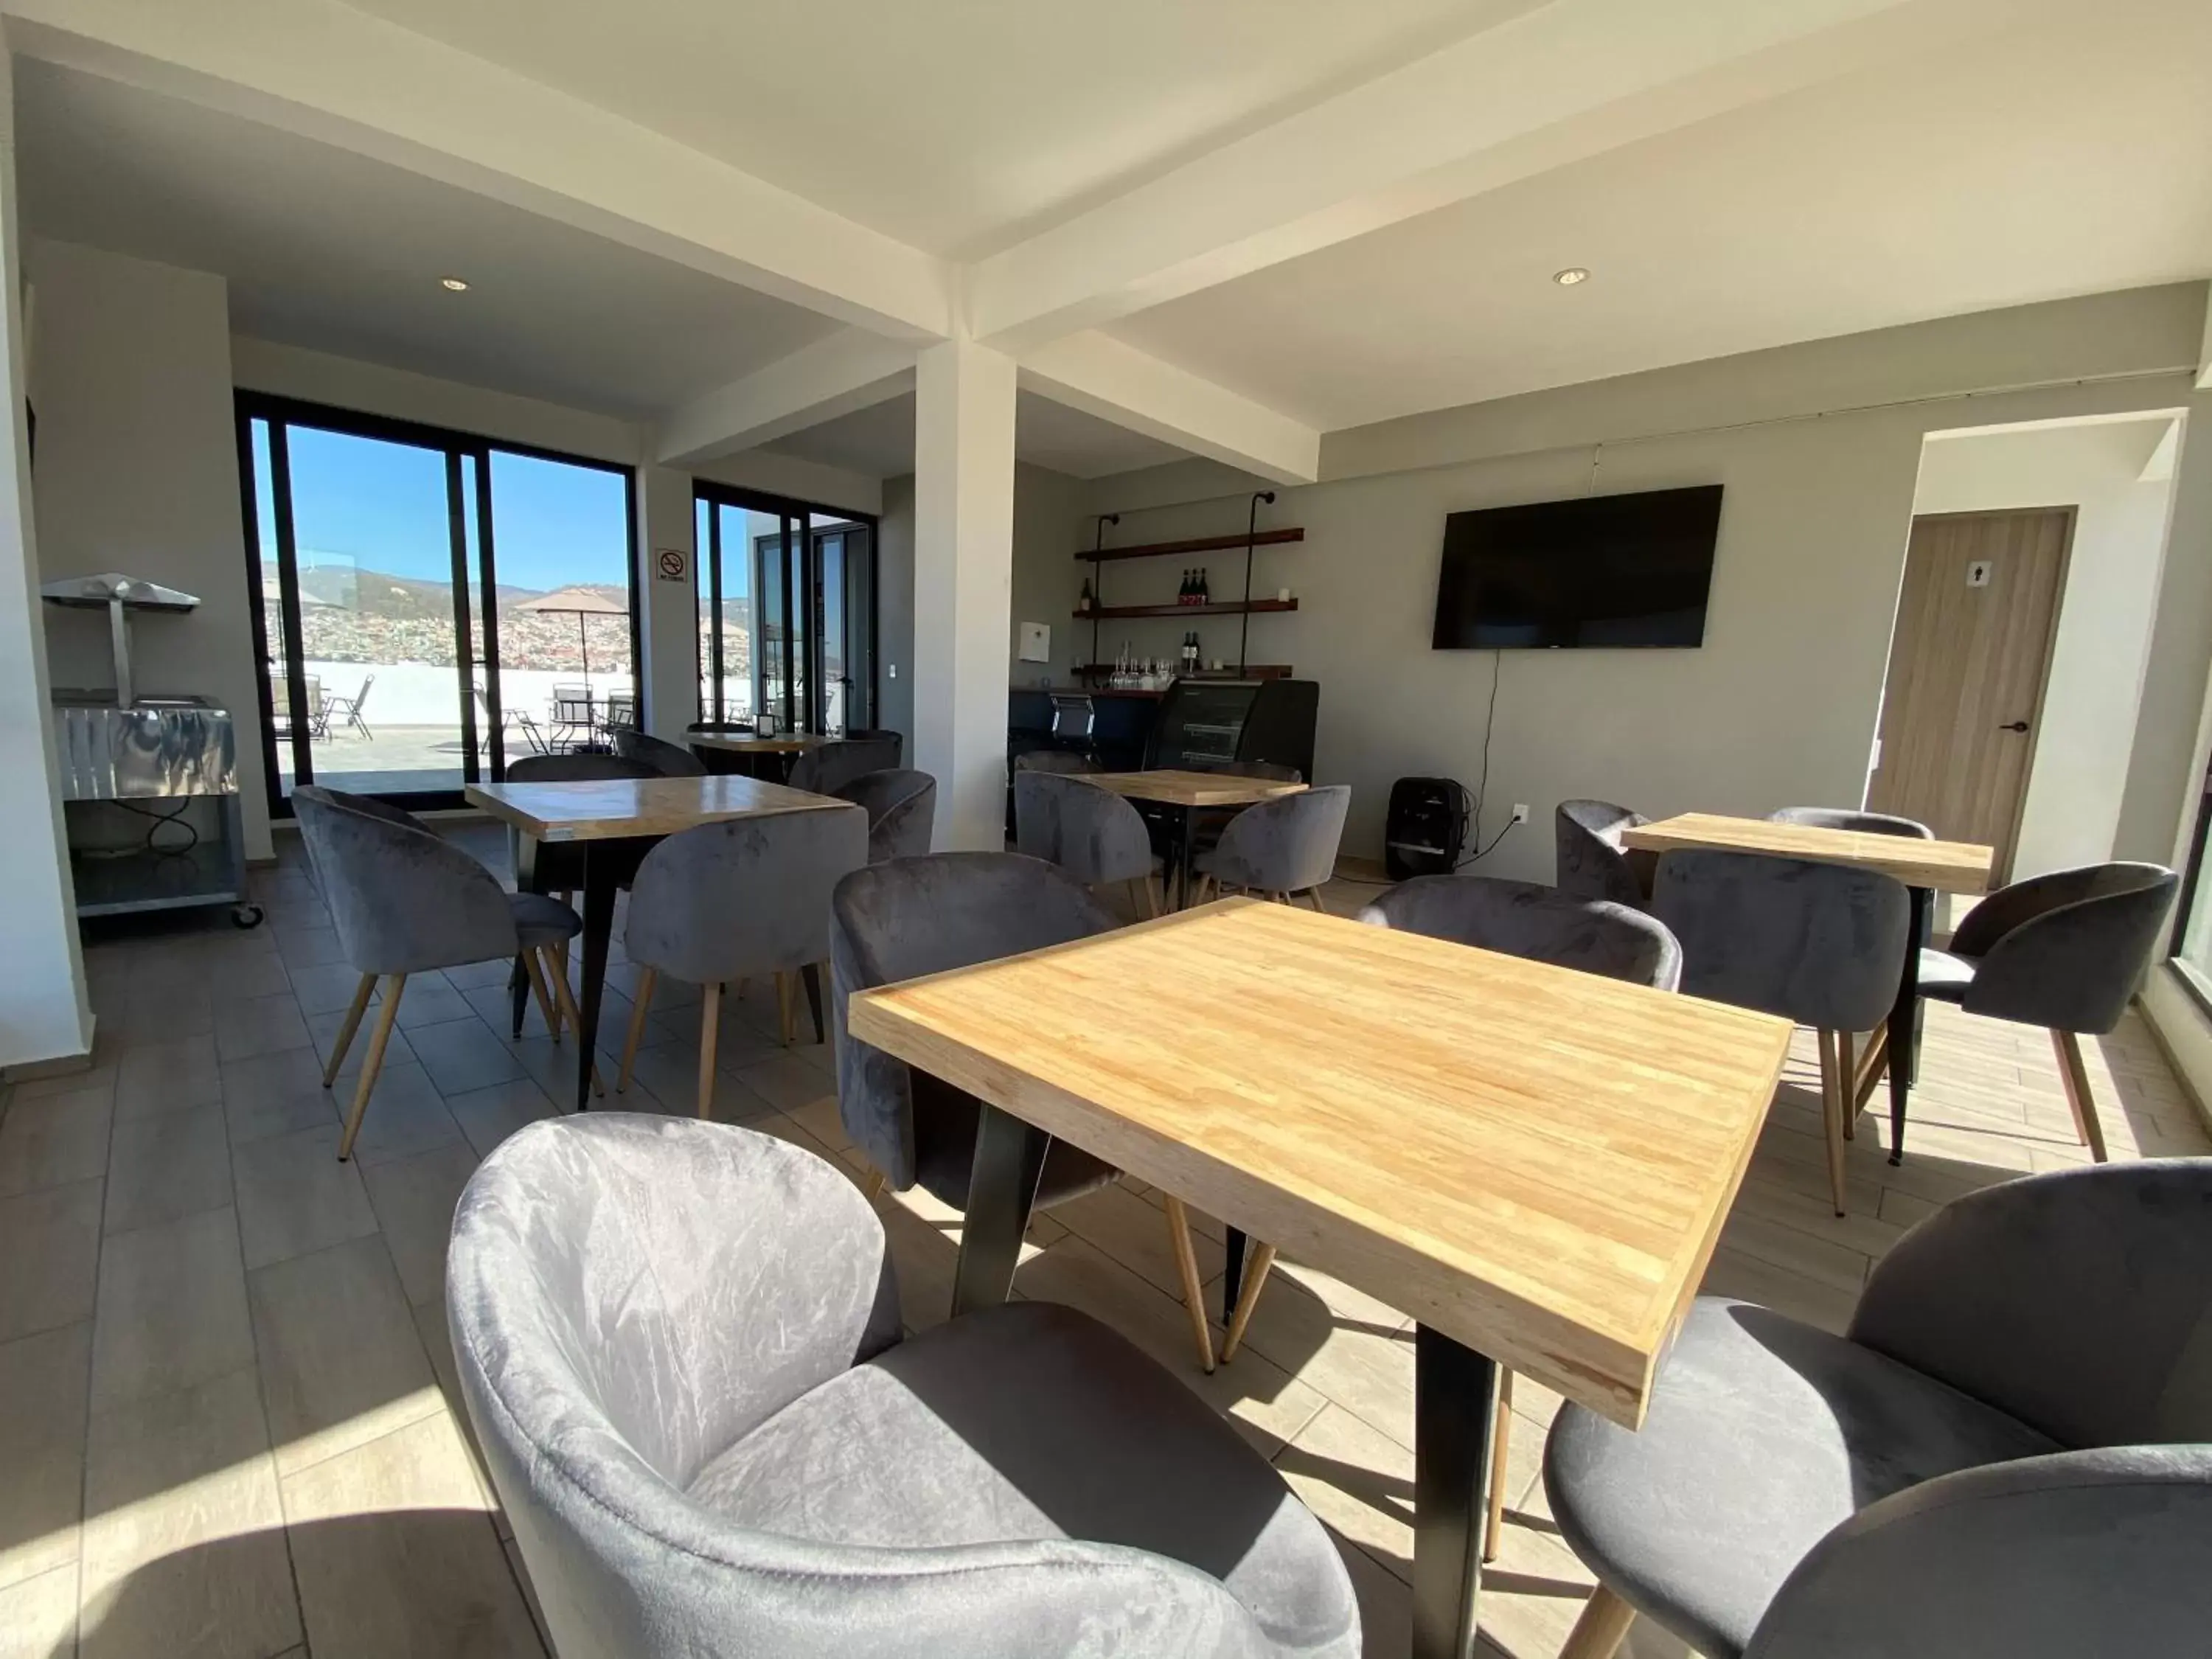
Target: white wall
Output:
{"points": [[138, 472], [2101, 648], [1049, 526], [1819, 450], [44, 1014]]}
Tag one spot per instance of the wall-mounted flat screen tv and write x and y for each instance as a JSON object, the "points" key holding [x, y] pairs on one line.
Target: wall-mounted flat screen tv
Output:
{"points": [[1602, 571]]}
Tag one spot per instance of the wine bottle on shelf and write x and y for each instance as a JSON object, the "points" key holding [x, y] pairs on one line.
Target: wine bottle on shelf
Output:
{"points": [[1189, 586], [1084, 604], [1204, 594]]}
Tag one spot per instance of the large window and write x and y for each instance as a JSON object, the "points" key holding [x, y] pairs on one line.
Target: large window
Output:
{"points": [[2192, 935], [431, 604], [786, 613]]}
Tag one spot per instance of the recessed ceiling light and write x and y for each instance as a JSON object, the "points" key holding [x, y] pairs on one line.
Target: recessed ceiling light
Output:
{"points": [[1571, 275], [459, 286]]}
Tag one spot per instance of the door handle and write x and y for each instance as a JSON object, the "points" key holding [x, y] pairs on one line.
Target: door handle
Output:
{"points": [[2014, 725]]}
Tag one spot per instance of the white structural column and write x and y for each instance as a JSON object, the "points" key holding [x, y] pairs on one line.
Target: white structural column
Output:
{"points": [[669, 608], [963, 556], [43, 1015]]}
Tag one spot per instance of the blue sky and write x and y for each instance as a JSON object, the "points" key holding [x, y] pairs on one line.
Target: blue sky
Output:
{"points": [[383, 505]]}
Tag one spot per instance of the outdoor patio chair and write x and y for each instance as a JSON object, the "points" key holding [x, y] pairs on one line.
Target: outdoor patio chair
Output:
{"points": [[344, 712]]}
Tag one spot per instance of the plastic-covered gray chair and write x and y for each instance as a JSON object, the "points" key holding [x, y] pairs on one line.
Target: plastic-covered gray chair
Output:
{"points": [[2064, 952], [679, 1345], [669, 760], [1592, 863], [827, 766], [733, 900], [2004, 1455], [403, 900], [902, 808], [1281, 846], [1820, 944], [1093, 834]]}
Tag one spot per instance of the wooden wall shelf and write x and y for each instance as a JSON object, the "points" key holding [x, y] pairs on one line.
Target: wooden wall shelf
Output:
{"points": [[1257, 671], [1201, 545], [1228, 608]]}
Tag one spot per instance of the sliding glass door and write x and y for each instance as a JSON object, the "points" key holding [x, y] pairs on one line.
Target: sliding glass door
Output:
{"points": [[429, 604], [786, 613]]}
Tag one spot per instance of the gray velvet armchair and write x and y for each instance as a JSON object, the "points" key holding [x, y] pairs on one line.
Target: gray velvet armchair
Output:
{"points": [[730, 901], [1820, 944], [679, 1345], [668, 760], [1847, 818], [1281, 846], [1093, 834], [1593, 864], [902, 809], [2004, 1457], [2064, 952], [828, 767], [403, 900]]}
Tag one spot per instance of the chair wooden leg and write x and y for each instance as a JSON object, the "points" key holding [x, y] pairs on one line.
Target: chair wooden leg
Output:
{"points": [[1193, 1293], [1848, 1072], [1151, 896], [1130, 891], [367, 989], [1832, 1115], [1501, 1436], [877, 1183], [710, 1031], [783, 1006], [373, 1062], [1598, 1633], [534, 965], [645, 983], [1313, 898], [567, 1003], [1247, 1298], [1872, 1064], [2076, 1076]]}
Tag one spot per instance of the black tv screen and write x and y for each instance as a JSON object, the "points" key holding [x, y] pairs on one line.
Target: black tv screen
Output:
{"points": [[1602, 571]]}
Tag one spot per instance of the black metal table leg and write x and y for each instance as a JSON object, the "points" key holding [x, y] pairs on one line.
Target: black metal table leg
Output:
{"points": [[602, 874], [1186, 853], [812, 975], [1904, 1046], [1001, 1185], [1454, 1406], [524, 850], [1232, 1277]]}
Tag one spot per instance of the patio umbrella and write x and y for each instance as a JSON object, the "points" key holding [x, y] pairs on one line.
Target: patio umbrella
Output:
{"points": [[583, 602]]}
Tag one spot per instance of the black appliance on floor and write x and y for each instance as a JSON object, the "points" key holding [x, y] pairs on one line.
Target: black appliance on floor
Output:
{"points": [[1425, 827], [1204, 723]]}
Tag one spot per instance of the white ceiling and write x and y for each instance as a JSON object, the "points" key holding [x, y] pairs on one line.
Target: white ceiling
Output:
{"points": [[955, 125], [2072, 158], [325, 248], [878, 441]]}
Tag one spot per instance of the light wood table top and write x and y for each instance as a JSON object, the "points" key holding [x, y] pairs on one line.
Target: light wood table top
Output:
{"points": [[1533, 1161], [611, 808], [741, 743], [1192, 788], [1947, 866]]}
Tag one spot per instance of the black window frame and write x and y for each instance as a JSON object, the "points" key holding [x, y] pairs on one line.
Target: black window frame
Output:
{"points": [[281, 410], [707, 591]]}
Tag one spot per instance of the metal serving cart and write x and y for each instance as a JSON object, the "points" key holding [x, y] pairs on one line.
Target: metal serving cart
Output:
{"points": [[134, 769]]}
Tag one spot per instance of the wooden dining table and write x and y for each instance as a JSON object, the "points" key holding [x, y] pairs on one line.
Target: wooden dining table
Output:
{"points": [[1533, 1162], [765, 757], [615, 821], [1926, 867], [1183, 796]]}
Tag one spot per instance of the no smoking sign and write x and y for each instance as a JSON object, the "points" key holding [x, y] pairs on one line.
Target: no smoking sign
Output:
{"points": [[671, 564]]}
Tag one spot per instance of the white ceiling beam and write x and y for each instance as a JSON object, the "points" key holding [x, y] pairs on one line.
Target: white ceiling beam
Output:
{"points": [[330, 72], [1102, 376], [1552, 84], [836, 375]]}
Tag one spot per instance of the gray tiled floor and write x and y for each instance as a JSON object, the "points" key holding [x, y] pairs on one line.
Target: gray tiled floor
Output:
{"points": [[227, 1424]]}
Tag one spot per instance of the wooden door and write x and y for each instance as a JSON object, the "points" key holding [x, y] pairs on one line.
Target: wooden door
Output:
{"points": [[1966, 668]]}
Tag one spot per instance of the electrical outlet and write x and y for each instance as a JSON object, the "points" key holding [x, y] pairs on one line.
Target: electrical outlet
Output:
{"points": [[1520, 812]]}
